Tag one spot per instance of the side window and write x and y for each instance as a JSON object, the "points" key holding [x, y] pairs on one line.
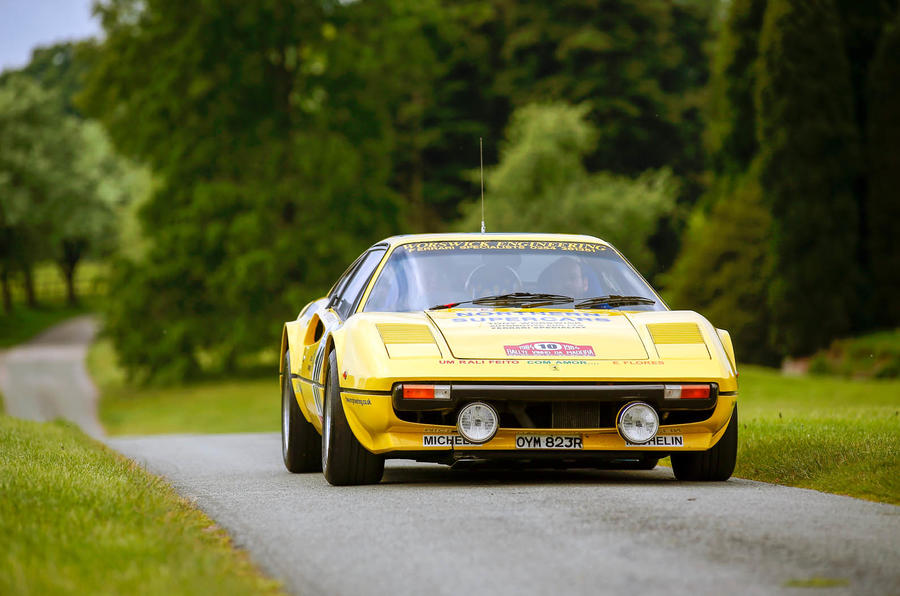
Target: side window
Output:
{"points": [[348, 295]]}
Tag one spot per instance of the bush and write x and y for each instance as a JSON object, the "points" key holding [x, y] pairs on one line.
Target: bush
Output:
{"points": [[724, 269], [876, 355]]}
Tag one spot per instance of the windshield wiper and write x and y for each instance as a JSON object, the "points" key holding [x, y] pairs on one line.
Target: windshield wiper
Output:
{"points": [[612, 301], [518, 299]]}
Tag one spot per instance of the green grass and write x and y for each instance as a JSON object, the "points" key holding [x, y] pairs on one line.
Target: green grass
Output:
{"points": [[50, 285], [205, 407], [24, 323], [77, 518], [830, 434]]}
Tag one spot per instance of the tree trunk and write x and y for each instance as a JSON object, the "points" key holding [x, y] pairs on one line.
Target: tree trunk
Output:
{"points": [[30, 296], [7, 293], [69, 274], [72, 249]]}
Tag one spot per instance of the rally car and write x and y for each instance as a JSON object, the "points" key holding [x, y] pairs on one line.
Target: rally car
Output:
{"points": [[524, 349]]}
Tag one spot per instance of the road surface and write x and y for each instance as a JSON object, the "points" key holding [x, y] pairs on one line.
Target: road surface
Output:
{"points": [[430, 530], [46, 379]]}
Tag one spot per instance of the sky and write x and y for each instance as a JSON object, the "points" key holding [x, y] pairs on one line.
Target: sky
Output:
{"points": [[25, 24]]}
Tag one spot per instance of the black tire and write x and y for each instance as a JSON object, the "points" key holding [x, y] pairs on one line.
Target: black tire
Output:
{"points": [[714, 464], [344, 460], [301, 446]]}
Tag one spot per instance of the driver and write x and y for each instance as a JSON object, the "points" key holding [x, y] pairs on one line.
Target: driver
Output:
{"points": [[492, 280], [564, 276]]}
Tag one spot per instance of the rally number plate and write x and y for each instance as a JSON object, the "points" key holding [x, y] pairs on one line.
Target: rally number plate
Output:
{"points": [[549, 442]]}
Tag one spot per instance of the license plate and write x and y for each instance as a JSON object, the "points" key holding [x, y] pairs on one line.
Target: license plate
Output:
{"points": [[549, 442]]}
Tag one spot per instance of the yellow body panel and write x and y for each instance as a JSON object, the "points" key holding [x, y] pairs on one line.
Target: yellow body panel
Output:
{"points": [[376, 350]]}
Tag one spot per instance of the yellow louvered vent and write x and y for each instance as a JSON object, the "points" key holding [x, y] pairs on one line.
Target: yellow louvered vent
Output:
{"points": [[398, 333], [675, 333]]}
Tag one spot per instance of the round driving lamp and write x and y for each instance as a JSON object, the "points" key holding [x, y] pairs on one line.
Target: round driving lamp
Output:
{"points": [[477, 422], [637, 422]]}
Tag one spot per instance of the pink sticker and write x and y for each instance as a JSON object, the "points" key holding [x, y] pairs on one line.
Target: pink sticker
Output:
{"points": [[548, 348]]}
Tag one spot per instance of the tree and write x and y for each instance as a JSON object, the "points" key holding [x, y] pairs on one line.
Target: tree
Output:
{"points": [[883, 158], [541, 184], [59, 186], [37, 145], [640, 66], [271, 177], [731, 125], [724, 269], [809, 159]]}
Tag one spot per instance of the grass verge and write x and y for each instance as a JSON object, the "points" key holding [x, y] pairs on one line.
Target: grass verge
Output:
{"points": [[77, 518], [830, 434], [205, 407], [24, 323]]}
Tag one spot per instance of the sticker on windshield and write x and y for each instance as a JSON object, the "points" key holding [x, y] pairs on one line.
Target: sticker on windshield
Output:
{"points": [[588, 247], [549, 348]]}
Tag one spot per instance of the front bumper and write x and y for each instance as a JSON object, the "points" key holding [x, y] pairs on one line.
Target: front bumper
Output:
{"points": [[381, 422]]}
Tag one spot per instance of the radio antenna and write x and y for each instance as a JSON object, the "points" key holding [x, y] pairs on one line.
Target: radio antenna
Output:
{"points": [[481, 158]]}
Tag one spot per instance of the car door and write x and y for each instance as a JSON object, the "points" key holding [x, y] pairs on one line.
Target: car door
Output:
{"points": [[341, 304]]}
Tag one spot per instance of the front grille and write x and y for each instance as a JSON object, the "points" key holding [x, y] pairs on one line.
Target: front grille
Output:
{"points": [[577, 415]]}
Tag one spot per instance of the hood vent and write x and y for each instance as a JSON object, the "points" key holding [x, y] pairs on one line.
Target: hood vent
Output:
{"points": [[675, 333]]}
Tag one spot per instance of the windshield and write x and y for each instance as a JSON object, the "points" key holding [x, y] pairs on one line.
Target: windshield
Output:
{"points": [[421, 275]]}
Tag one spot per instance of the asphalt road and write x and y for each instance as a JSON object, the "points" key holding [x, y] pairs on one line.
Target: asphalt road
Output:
{"points": [[46, 379], [427, 529]]}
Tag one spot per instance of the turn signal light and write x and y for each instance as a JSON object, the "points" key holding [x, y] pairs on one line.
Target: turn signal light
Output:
{"points": [[426, 391], [687, 391]]}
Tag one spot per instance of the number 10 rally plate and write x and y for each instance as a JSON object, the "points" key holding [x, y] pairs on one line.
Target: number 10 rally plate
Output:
{"points": [[549, 442]]}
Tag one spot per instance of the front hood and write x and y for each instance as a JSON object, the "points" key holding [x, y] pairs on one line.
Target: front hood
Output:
{"points": [[530, 333]]}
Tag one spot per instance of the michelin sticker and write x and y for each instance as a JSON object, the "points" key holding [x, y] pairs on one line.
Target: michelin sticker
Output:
{"points": [[446, 441], [660, 441]]}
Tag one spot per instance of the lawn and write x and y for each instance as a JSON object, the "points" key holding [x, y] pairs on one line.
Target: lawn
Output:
{"points": [[77, 518], [206, 407], [828, 433], [832, 434]]}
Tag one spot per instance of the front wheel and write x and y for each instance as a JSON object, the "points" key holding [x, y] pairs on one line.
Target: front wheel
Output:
{"points": [[344, 460], [714, 464]]}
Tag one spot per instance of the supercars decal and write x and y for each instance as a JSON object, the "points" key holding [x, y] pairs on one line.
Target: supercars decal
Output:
{"points": [[503, 245], [549, 348]]}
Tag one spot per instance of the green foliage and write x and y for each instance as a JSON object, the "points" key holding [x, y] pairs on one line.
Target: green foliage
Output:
{"points": [[541, 184], [60, 184], [731, 127], [883, 158], [638, 65], [77, 518], [60, 69], [272, 177], [724, 269], [874, 355], [809, 161]]}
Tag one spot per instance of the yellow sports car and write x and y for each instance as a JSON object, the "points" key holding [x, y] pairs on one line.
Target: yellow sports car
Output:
{"points": [[531, 349]]}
